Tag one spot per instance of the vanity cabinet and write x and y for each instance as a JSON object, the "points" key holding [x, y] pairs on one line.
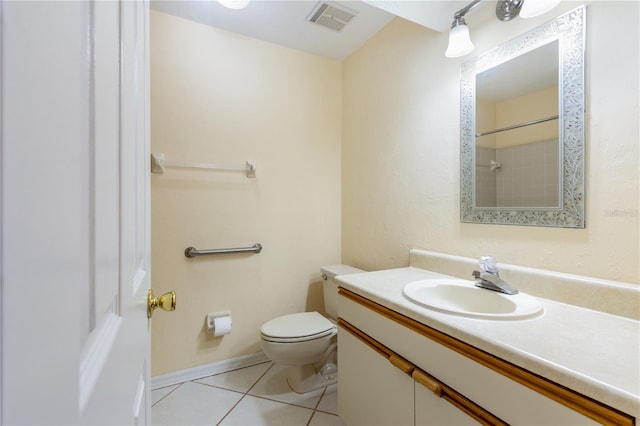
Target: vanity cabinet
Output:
{"points": [[394, 370]]}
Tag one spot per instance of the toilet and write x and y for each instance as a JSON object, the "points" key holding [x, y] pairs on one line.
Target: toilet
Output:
{"points": [[306, 341]]}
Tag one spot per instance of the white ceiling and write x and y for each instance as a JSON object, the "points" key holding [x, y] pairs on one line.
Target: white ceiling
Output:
{"points": [[284, 22]]}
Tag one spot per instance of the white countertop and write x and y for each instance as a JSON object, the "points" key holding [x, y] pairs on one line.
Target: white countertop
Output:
{"points": [[591, 352]]}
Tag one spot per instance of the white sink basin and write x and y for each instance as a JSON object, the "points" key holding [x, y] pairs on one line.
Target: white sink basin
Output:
{"points": [[463, 298]]}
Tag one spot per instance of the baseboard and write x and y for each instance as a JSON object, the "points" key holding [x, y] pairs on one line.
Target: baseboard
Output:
{"points": [[207, 370]]}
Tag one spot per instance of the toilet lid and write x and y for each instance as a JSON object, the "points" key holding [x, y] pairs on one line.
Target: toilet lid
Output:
{"points": [[297, 327]]}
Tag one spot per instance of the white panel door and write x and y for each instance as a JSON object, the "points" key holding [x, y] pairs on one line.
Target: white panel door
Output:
{"points": [[75, 212]]}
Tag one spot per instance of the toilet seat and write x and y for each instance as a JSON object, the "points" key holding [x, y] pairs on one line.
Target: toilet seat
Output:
{"points": [[299, 327]]}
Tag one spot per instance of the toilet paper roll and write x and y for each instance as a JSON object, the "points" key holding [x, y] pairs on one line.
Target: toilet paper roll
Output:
{"points": [[220, 326]]}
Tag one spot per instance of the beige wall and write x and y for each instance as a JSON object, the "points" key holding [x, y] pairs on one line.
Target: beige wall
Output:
{"points": [[401, 151], [219, 97]]}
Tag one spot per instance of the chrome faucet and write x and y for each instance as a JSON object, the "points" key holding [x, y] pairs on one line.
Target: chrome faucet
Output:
{"points": [[490, 279]]}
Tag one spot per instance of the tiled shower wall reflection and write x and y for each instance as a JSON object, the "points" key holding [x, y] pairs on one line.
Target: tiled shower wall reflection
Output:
{"points": [[527, 176]]}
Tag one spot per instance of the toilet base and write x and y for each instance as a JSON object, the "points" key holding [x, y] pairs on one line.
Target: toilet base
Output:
{"points": [[307, 378]]}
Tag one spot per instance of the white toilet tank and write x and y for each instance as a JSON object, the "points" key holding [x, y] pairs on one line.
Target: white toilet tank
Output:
{"points": [[330, 286]]}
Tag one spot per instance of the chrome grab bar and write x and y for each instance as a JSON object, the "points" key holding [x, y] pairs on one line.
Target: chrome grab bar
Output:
{"points": [[193, 252]]}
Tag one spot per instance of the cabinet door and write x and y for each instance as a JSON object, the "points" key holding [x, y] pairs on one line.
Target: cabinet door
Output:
{"points": [[430, 409], [371, 391]]}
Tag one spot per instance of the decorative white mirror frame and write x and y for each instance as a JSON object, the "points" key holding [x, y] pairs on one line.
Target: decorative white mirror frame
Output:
{"points": [[569, 30]]}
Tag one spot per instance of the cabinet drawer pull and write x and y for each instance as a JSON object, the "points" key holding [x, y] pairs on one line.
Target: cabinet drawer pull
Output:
{"points": [[427, 381], [404, 365]]}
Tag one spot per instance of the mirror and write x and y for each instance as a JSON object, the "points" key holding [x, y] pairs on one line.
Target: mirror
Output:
{"points": [[517, 119], [522, 129]]}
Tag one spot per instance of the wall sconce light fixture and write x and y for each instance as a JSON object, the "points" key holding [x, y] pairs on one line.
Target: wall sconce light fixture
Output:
{"points": [[459, 40]]}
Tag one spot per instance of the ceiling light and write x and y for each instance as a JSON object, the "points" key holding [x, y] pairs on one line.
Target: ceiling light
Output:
{"points": [[533, 8], [234, 4], [459, 40]]}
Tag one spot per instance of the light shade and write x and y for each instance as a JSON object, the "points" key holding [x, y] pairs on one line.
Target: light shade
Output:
{"points": [[234, 4], [533, 8], [459, 41]]}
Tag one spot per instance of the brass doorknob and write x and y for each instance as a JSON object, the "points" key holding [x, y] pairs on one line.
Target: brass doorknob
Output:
{"points": [[166, 302]]}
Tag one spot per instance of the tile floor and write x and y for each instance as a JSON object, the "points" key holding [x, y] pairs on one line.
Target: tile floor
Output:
{"points": [[250, 396]]}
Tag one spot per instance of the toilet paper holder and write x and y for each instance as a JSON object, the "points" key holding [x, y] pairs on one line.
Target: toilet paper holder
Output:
{"points": [[219, 323]]}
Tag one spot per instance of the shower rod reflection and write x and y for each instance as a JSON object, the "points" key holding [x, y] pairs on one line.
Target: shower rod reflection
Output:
{"points": [[517, 126], [194, 252]]}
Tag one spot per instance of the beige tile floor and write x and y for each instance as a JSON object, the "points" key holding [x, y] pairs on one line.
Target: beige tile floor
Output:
{"points": [[253, 396]]}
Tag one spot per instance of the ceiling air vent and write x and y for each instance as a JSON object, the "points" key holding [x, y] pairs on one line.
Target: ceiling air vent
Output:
{"points": [[331, 15]]}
